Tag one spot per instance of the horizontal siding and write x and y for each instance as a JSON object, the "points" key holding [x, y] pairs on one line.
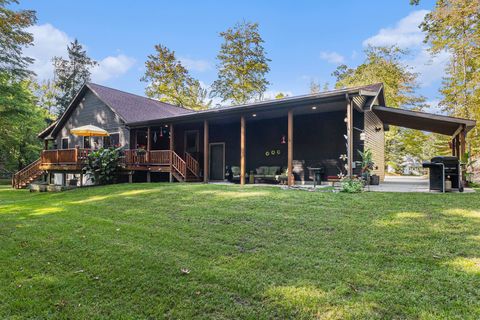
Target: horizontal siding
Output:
{"points": [[92, 110], [375, 141]]}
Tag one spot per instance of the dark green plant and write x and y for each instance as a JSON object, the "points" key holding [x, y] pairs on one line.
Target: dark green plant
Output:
{"points": [[103, 165], [367, 160], [352, 185]]}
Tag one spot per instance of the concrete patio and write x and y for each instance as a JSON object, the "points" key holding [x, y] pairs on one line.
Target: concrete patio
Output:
{"points": [[406, 184]]}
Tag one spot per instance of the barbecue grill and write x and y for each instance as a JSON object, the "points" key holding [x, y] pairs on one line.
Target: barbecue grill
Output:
{"points": [[441, 169]]}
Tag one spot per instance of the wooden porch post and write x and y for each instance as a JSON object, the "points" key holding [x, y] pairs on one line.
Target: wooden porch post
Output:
{"points": [[172, 148], [242, 150], [462, 143], [350, 138], [45, 144], [206, 158], [457, 146], [290, 176], [149, 145]]}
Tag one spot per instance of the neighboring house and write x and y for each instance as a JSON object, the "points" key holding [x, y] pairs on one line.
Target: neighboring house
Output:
{"points": [[411, 166], [266, 140]]}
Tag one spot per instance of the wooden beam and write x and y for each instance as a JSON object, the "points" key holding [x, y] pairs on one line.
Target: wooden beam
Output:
{"points": [[463, 139], [457, 146], [148, 146], [453, 146], [172, 148], [45, 144], [242, 150], [206, 156], [350, 137], [290, 176]]}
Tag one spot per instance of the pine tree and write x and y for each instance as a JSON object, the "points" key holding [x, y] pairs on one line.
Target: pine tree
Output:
{"points": [[71, 74], [169, 81], [242, 65]]}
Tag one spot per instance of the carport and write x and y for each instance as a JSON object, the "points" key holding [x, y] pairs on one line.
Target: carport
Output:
{"points": [[457, 128]]}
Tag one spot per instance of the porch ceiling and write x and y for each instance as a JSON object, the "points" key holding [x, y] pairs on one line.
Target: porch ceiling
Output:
{"points": [[422, 120]]}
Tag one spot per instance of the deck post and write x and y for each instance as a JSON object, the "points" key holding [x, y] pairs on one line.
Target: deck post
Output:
{"points": [[452, 144], [64, 179], [81, 179], [457, 146], [172, 148], [149, 178], [242, 150], [149, 145], [206, 155], [45, 144], [350, 138], [462, 135], [290, 176], [130, 177]]}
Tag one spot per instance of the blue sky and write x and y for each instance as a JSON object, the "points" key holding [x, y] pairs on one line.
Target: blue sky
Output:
{"points": [[304, 39]]}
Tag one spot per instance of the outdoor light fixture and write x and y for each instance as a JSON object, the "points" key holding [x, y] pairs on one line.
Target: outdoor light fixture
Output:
{"points": [[254, 115], [362, 136], [314, 108]]}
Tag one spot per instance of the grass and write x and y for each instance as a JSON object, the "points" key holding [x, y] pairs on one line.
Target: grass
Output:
{"points": [[251, 253]]}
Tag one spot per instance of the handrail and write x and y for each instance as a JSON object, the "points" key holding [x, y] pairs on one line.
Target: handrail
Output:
{"points": [[178, 164], [64, 156], [24, 175], [162, 157], [192, 164]]}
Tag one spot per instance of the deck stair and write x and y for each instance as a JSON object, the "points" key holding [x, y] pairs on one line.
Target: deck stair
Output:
{"points": [[27, 175]]}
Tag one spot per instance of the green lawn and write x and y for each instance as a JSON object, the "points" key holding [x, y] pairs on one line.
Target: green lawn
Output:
{"points": [[257, 253]]}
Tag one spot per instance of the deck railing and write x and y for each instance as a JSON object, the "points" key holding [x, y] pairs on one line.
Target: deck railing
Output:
{"points": [[131, 157], [64, 156]]}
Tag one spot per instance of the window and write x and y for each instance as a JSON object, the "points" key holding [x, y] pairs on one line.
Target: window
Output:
{"points": [[64, 143], [191, 141], [113, 140]]}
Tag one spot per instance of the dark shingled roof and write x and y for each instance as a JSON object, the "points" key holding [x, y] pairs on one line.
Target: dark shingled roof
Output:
{"points": [[133, 108]]}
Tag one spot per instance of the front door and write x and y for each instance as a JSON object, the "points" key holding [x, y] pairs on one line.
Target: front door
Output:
{"points": [[217, 161]]}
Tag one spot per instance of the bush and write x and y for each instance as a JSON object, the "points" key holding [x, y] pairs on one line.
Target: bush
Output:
{"points": [[353, 185], [102, 165]]}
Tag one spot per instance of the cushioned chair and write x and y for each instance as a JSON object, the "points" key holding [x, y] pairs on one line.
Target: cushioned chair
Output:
{"points": [[267, 173], [236, 174]]}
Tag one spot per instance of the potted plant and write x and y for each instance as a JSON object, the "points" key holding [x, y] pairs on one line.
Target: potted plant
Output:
{"points": [[366, 164]]}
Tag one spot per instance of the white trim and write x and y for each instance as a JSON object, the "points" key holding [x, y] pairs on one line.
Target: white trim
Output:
{"points": [[210, 161]]}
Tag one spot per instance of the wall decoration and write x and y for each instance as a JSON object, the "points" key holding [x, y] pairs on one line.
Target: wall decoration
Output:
{"points": [[283, 140], [267, 153], [278, 152], [155, 136]]}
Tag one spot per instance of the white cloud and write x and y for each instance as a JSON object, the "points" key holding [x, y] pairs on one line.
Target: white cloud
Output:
{"points": [[332, 57], [406, 32], [196, 65], [48, 43], [51, 42], [112, 67]]}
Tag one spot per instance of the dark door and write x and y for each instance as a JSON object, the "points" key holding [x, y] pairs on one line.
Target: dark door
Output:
{"points": [[217, 161]]}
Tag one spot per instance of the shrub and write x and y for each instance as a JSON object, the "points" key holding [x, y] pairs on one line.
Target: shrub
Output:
{"points": [[102, 165], [352, 185]]}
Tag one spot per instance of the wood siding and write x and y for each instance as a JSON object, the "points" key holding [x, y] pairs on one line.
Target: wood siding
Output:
{"points": [[92, 110], [375, 140]]}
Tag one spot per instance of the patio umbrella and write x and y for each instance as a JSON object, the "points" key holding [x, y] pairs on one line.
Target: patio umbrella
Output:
{"points": [[89, 131]]}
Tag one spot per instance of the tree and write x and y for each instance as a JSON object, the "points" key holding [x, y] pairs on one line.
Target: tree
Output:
{"points": [[46, 93], [169, 81], [13, 38], [242, 65], [383, 64], [71, 74], [454, 26], [20, 122]]}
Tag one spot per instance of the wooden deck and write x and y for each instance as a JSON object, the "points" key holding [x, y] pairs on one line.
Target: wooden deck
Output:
{"points": [[74, 160]]}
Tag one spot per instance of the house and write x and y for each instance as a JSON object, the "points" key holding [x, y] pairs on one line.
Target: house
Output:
{"points": [[262, 140]]}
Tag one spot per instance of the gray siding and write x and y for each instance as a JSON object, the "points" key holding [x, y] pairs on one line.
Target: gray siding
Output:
{"points": [[375, 141], [92, 110]]}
